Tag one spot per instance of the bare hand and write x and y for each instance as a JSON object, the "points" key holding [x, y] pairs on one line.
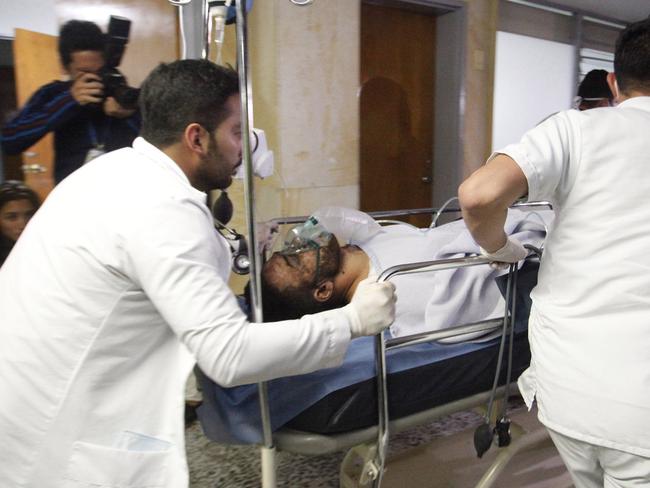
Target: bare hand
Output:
{"points": [[114, 109], [87, 88]]}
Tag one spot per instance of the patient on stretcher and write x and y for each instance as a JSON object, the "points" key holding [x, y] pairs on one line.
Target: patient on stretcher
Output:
{"points": [[308, 280]]}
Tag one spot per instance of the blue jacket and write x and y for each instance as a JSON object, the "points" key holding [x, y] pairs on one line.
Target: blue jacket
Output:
{"points": [[77, 129]]}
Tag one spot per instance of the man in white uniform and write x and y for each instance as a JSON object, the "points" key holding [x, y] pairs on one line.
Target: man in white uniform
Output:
{"points": [[589, 328], [118, 285]]}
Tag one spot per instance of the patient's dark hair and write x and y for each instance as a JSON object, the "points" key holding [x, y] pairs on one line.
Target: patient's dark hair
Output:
{"points": [[183, 92], [632, 58], [291, 303], [79, 35]]}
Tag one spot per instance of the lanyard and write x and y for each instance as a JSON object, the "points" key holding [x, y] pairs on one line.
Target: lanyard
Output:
{"points": [[97, 147], [93, 134]]}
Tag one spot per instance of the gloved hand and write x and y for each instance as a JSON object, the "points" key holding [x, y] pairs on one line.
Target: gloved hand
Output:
{"points": [[511, 252], [372, 307]]}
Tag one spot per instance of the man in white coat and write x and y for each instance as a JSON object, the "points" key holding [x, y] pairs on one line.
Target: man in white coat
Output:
{"points": [[119, 283], [589, 327]]}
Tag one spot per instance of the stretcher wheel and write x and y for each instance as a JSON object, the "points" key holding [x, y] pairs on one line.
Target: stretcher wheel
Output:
{"points": [[502, 430]]}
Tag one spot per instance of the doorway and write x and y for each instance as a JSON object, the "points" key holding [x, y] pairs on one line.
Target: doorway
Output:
{"points": [[10, 165], [411, 67]]}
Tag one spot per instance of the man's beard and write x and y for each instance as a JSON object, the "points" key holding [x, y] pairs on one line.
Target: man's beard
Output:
{"points": [[214, 172], [330, 259]]}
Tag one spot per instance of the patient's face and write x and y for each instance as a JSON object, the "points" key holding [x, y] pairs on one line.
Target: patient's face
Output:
{"points": [[299, 270]]}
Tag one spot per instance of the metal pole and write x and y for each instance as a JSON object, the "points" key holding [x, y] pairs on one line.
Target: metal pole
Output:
{"points": [[577, 49], [267, 450], [374, 469], [205, 33]]}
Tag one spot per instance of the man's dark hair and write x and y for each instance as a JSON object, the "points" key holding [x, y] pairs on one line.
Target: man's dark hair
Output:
{"points": [[177, 94], [632, 57], [79, 35], [594, 85]]}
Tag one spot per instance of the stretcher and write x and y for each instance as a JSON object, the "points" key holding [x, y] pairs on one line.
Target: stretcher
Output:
{"points": [[411, 381]]}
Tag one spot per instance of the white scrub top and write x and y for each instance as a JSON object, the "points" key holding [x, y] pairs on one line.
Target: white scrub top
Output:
{"points": [[117, 284], [590, 324]]}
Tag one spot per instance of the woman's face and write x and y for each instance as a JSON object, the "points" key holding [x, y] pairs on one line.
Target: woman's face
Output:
{"points": [[14, 216]]}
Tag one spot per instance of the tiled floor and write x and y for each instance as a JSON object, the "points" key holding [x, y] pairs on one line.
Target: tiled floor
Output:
{"points": [[451, 462], [440, 454]]}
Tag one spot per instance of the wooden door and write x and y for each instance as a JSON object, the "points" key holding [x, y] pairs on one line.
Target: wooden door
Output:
{"points": [[396, 109], [36, 62]]}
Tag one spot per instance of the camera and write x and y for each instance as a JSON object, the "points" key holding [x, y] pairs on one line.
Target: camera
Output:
{"points": [[115, 84]]}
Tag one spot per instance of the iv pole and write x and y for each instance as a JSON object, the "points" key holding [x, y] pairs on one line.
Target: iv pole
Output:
{"points": [[268, 452], [268, 459]]}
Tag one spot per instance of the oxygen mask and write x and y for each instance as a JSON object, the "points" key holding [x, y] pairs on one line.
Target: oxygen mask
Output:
{"points": [[306, 237], [310, 236]]}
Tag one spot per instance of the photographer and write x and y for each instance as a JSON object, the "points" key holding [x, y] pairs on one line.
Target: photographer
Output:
{"points": [[85, 119]]}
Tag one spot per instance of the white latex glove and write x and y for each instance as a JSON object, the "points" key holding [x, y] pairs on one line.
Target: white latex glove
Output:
{"points": [[372, 307], [511, 252]]}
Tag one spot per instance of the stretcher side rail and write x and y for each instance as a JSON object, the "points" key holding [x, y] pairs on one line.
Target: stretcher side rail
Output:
{"points": [[374, 468], [384, 214]]}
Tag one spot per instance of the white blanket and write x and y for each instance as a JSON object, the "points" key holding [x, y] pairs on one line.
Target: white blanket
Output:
{"points": [[441, 299]]}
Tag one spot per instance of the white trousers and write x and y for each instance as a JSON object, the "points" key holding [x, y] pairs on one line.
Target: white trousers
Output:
{"points": [[593, 466]]}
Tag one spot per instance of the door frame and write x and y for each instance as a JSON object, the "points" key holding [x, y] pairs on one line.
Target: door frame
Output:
{"points": [[449, 93], [7, 60]]}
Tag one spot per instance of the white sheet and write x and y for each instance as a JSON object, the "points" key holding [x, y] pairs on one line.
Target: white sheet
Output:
{"points": [[437, 300]]}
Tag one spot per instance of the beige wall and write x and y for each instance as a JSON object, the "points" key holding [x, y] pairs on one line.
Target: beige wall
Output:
{"points": [[304, 65], [482, 17], [305, 73]]}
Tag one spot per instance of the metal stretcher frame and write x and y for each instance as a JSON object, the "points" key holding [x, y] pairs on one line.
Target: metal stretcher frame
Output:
{"points": [[375, 438], [374, 468], [307, 443]]}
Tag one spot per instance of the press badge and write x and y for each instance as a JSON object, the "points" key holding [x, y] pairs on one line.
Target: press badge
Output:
{"points": [[93, 153]]}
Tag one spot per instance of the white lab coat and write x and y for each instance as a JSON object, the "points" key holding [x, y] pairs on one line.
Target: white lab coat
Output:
{"points": [[589, 327], [116, 285]]}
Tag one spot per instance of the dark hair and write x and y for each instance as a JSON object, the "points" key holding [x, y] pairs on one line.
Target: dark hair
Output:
{"points": [[290, 303], [79, 35], [632, 57], [177, 94], [12, 190], [594, 85]]}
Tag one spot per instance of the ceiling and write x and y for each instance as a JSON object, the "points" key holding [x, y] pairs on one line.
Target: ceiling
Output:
{"points": [[625, 10]]}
